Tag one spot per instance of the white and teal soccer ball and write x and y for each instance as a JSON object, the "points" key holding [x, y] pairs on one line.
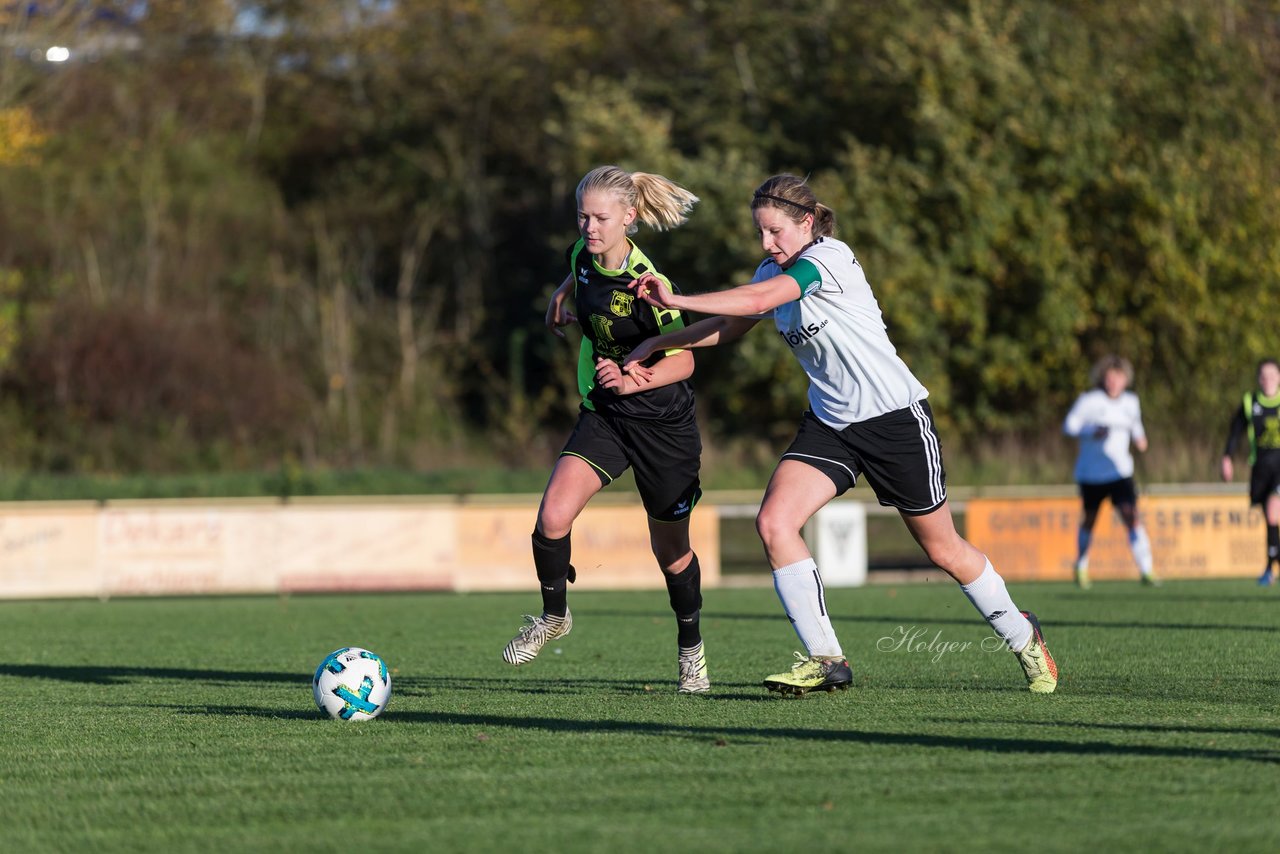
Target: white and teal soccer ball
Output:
{"points": [[352, 684]]}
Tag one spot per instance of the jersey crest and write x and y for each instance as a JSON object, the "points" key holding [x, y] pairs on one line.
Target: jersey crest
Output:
{"points": [[621, 302]]}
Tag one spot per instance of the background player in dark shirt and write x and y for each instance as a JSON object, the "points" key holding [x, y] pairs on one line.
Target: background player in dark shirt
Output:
{"points": [[1258, 417], [643, 423]]}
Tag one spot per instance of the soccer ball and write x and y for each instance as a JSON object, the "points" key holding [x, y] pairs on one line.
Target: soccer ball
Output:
{"points": [[351, 684]]}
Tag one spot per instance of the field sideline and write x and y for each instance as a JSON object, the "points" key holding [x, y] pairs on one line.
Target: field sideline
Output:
{"points": [[187, 724]]}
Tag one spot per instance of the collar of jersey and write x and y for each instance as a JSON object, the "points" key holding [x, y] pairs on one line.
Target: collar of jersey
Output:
{"points": [[634, 257], [1266, 401]]}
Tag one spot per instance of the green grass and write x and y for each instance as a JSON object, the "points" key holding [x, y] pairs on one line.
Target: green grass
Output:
{"points": [[187, 724], [297, 482]]}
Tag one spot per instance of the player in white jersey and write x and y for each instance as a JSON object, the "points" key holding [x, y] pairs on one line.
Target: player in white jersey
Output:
{"points": [[1107, 420], [867, 416]]}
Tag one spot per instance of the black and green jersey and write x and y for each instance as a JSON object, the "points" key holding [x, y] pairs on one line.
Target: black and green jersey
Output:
{"points": [[1259, 418], [614, 320]]}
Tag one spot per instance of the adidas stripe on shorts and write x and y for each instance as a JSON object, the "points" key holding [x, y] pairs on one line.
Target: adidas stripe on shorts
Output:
{"points": [[898, 452]]}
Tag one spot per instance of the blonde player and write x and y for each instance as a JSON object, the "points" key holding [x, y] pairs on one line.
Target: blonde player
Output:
{"points": [[647, 425]]}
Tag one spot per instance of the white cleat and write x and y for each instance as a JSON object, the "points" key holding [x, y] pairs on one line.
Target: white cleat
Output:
{"points": [[536, 631], [693, 671]]}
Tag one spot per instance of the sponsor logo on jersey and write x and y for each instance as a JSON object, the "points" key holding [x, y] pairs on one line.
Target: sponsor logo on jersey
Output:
{"points": [[796, 337], [603, 327], [609, 350], [583, 272], [621, 303]]}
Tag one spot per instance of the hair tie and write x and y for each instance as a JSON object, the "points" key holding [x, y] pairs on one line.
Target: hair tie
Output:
{"points": [[762, 195]]}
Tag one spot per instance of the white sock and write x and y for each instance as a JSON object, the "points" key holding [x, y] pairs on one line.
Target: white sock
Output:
{"points": [[1140, 545], [799, 588], [1083, 538], [988, 594]]}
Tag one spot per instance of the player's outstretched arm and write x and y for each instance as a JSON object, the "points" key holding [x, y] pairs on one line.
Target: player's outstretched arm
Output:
{"points": [[707, 332], [742, 301], [668, 370]]}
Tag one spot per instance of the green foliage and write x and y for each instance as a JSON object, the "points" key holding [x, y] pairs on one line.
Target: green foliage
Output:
{"points": [[10, 287], [372, 202]]}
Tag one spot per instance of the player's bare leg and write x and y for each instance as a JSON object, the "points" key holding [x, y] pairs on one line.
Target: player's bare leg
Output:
{"points": [[795, 492], [936, 533]]}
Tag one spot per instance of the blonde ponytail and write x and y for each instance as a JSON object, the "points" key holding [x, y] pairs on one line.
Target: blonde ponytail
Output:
{"points": [[660, 203]]}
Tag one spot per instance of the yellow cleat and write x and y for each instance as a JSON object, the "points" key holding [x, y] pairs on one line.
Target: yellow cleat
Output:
{"points": [[1037, 663], [1082, 577], [812, 674]]}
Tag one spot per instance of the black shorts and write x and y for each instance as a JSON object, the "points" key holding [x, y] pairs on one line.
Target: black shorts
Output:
{"points": [[1264, 479], [665, 453], [1122, 491], [899, 452]]}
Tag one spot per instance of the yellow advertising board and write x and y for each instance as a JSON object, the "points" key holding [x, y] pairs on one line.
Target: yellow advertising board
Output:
{"points": [[1192, 536], [49, 550]]}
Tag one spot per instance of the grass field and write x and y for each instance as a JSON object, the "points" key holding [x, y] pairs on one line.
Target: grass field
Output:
{"points": [[187, 724]]}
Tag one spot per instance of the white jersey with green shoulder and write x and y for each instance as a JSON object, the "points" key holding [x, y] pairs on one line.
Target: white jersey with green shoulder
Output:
{"points": [[836, 331]]}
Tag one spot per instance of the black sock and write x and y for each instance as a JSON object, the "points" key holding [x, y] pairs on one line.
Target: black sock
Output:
{"points": [[685, 591], [551, 559], [1273, 545]]}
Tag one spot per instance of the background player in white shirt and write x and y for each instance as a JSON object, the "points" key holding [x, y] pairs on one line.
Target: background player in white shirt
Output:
{"points": [[1107, 420], [867, 416]]}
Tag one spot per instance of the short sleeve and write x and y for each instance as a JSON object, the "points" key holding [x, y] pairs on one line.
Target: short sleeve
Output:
{"points": [[806, 275]]}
